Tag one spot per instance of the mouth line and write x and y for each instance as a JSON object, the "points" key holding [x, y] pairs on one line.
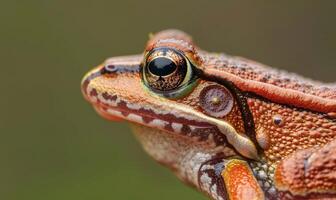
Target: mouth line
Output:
{"points": [[146, 116], [113, 108]]}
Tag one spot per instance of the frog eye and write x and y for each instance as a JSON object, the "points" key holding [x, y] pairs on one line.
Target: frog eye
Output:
{"points": [[167, 72]]}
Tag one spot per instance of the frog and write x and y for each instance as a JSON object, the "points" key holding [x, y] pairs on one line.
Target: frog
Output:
{"points": [[228, 126]]}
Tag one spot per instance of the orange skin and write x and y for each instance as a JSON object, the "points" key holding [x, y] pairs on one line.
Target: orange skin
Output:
{"points": [[239, 178], [275, 140]]}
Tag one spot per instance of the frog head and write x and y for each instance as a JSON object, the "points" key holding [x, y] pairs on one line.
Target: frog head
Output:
{"points": [[209, 116]]}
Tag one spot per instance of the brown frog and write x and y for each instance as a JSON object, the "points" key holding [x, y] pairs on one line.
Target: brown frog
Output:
{"points": [[231, 127]]}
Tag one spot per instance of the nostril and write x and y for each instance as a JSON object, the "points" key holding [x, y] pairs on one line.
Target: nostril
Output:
{"points": [[120, 68], [111, 68]]}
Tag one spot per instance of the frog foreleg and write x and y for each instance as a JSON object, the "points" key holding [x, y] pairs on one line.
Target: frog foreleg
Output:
{"points": [[229, 178]]}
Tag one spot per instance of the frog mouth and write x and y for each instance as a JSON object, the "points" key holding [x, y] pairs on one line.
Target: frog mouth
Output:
{"points": [[114, 109]]}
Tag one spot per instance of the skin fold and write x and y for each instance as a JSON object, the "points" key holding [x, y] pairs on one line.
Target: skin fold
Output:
{"points": [[228, 126]]}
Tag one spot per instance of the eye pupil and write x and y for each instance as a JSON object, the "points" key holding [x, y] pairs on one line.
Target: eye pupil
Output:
{"points": [[161, 66]]}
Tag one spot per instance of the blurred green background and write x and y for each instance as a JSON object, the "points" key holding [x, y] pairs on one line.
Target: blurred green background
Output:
{"points": [[54, 146]]}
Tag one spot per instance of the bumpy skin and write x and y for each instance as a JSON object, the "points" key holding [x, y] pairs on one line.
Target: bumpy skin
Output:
{"points": [[275, 140], [308, 172]]}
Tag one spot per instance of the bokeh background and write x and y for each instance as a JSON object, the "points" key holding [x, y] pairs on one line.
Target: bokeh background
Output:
{"points": [[54, 146]]}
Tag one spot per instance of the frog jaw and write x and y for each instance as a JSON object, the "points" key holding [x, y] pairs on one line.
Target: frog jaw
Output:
{"points": [[119, 93]]}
